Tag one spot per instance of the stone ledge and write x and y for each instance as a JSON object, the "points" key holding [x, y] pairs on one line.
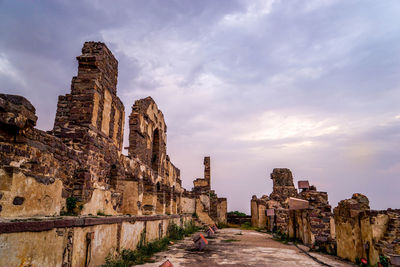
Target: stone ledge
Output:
{"points": [[48, 224]]}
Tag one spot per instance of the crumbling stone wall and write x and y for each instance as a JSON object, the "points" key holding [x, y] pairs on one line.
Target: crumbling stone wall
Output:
{"points": [[362, 233], [283, 188], [81, 160], [313, 223], [147, 134], [352, 231], [36, 168], [218, 208]]}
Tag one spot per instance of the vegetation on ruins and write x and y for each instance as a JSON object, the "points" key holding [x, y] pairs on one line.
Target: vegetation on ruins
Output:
{"points": [[283, 237], [101, 213], [248, 226], [384, 260], [144, 252], [71, 204], [222, 225], [71, 207], [237, 213]]}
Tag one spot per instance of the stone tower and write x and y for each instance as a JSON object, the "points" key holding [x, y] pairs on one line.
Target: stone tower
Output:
{"points": [[93, 102], [90, 119], [283, 186], [204, 184], [207, 170]]}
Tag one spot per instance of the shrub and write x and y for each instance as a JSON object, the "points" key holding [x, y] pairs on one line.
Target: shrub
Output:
{"points": [[246, 226], [71, 204], [221, 225], [175, 232], [237, 213], [384, 260]]}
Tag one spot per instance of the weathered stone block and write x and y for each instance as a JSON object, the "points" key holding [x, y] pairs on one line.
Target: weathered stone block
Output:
{"points": [[297, 204]]}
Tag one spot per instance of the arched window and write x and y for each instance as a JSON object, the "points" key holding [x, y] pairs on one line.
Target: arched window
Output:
{"points": [[155, 159], [158, 187]]}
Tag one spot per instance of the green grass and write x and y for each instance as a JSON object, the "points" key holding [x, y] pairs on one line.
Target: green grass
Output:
{"points": [[284, 238], [101, 213], [221, 225], [247, 226], [144, 252], [141, 255]]}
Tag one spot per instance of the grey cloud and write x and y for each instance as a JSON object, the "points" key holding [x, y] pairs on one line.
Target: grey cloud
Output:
{"points": [[215, 67]]}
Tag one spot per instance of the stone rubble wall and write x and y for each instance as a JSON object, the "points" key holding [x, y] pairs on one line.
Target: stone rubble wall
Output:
{"points": [[352, 231], [313, 225], [317, 220]]}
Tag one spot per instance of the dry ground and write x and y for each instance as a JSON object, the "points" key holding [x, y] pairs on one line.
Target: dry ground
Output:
{"points": [[241, 248]]}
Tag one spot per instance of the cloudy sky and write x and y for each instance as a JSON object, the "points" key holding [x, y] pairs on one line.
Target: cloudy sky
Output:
{"points": [[313, 86]]}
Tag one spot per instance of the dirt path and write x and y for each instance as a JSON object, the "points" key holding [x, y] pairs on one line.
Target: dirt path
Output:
{"points": [[240, 248]]}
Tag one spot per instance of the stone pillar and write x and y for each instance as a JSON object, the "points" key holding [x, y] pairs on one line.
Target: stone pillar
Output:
{"points": [[174, 203], [149, 199], [222, 210], [207, 170], [262, 219], [283, 186], [254, 211], [168, 201]]}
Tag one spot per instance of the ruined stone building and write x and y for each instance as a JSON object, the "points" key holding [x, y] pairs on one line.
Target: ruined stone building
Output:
{"points": [[352, 231], [78, 167]]}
